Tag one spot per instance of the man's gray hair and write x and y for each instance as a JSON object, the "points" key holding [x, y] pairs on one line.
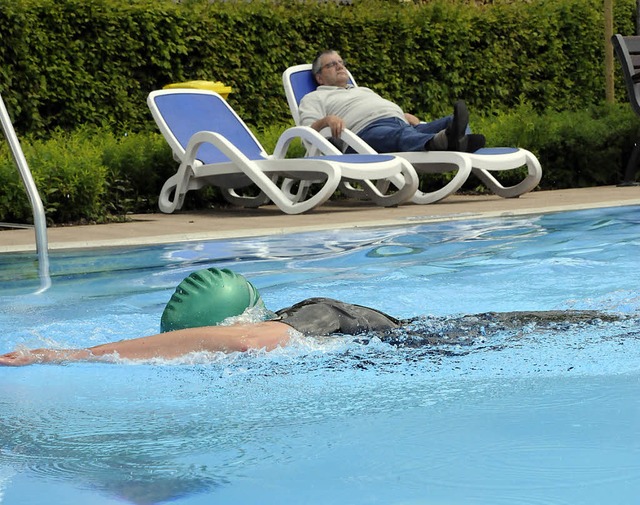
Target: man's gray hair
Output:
{"points": [[316, 66]]}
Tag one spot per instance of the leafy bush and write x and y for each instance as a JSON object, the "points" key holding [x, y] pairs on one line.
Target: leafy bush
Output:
{"points": [[137, 165], [87, 175], [582, 148], [69, 174]]}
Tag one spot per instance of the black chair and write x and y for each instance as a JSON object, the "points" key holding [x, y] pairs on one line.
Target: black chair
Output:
{"points": [[627, 50]]}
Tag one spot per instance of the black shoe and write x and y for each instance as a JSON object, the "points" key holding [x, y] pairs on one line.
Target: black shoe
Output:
{"points": [[456, 138], [475, 141]]}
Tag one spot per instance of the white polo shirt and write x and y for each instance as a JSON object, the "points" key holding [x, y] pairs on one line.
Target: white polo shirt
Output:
{"points": [[357, 106]]}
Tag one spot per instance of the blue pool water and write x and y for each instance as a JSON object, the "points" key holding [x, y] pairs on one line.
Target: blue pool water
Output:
{"points": [[532, 417]]}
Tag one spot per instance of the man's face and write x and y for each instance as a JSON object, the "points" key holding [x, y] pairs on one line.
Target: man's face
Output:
{"points": [[332, 71]]}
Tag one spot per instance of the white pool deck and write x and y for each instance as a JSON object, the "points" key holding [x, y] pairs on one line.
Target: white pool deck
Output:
{"points": [[161, 228]]}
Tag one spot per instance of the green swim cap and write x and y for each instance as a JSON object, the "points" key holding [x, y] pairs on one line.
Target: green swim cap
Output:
{"points": [[206, 298]]}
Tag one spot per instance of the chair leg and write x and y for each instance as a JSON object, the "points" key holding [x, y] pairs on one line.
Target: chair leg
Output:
{"points": [[296, 190], [632, 167], [250, 202], [175, 188], [533, 177]]}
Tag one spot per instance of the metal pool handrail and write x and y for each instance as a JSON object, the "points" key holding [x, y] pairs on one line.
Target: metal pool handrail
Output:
{"points": [[39, 219]]}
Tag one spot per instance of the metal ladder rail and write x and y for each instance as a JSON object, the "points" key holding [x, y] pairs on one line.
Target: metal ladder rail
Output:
{"points": [[39, 219]]}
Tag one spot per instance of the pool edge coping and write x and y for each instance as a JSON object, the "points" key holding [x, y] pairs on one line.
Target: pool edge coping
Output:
{"points": [[414, 219]]}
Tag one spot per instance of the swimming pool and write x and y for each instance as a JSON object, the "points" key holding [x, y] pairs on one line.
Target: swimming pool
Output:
{"points": [[537, 417]]}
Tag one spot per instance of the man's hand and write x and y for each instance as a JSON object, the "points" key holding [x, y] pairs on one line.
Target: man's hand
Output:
{"points": [[413, 120], [334, 123]]}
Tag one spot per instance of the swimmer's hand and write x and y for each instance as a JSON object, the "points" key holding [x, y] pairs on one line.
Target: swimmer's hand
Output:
{"points": [[25, 357], [19, 358]]}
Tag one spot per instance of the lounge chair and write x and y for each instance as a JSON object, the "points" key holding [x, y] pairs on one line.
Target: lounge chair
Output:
{"points": [[215, 147], [298, 81], [627, 50]]}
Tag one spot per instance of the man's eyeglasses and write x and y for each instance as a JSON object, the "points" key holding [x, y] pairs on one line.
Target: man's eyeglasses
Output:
{"points": [[332, 64]]}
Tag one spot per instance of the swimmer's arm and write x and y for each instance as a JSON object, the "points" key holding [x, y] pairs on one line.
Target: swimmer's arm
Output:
{"points": [[241, 337]]}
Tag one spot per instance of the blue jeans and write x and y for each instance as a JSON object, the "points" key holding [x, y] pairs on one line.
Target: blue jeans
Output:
{"points": [[390, 135]]}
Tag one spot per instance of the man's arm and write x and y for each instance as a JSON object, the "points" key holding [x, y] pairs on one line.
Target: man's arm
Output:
{"points": [[313, 114], [334, 123]]}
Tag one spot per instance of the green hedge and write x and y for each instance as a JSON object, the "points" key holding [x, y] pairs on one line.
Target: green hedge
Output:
{"points": [[69, 62]]}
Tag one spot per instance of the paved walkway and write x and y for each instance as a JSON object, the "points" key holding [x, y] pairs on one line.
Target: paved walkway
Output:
{"points": [[234, 222]]}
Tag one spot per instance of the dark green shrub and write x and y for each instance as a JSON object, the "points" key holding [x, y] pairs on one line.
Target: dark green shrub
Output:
{"points": [[588, 147], [69, 174], [70, 62], [14, 204], [137, 165], [87, 175]]}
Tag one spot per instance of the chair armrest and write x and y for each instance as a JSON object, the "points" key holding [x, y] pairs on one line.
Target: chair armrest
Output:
{"points": [[355, 142], [217, 140], [317, 143], [311, 138], [349, 138]]}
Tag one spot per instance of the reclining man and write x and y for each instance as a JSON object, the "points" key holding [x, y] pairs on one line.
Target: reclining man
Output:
{"points": [[191, 322], [382, 124]]}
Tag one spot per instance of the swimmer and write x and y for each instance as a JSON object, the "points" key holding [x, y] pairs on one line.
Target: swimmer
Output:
{"points": [[191, 321]]}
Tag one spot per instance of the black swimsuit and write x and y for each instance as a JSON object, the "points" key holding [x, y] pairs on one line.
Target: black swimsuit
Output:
{"points": [[315, 317]]}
